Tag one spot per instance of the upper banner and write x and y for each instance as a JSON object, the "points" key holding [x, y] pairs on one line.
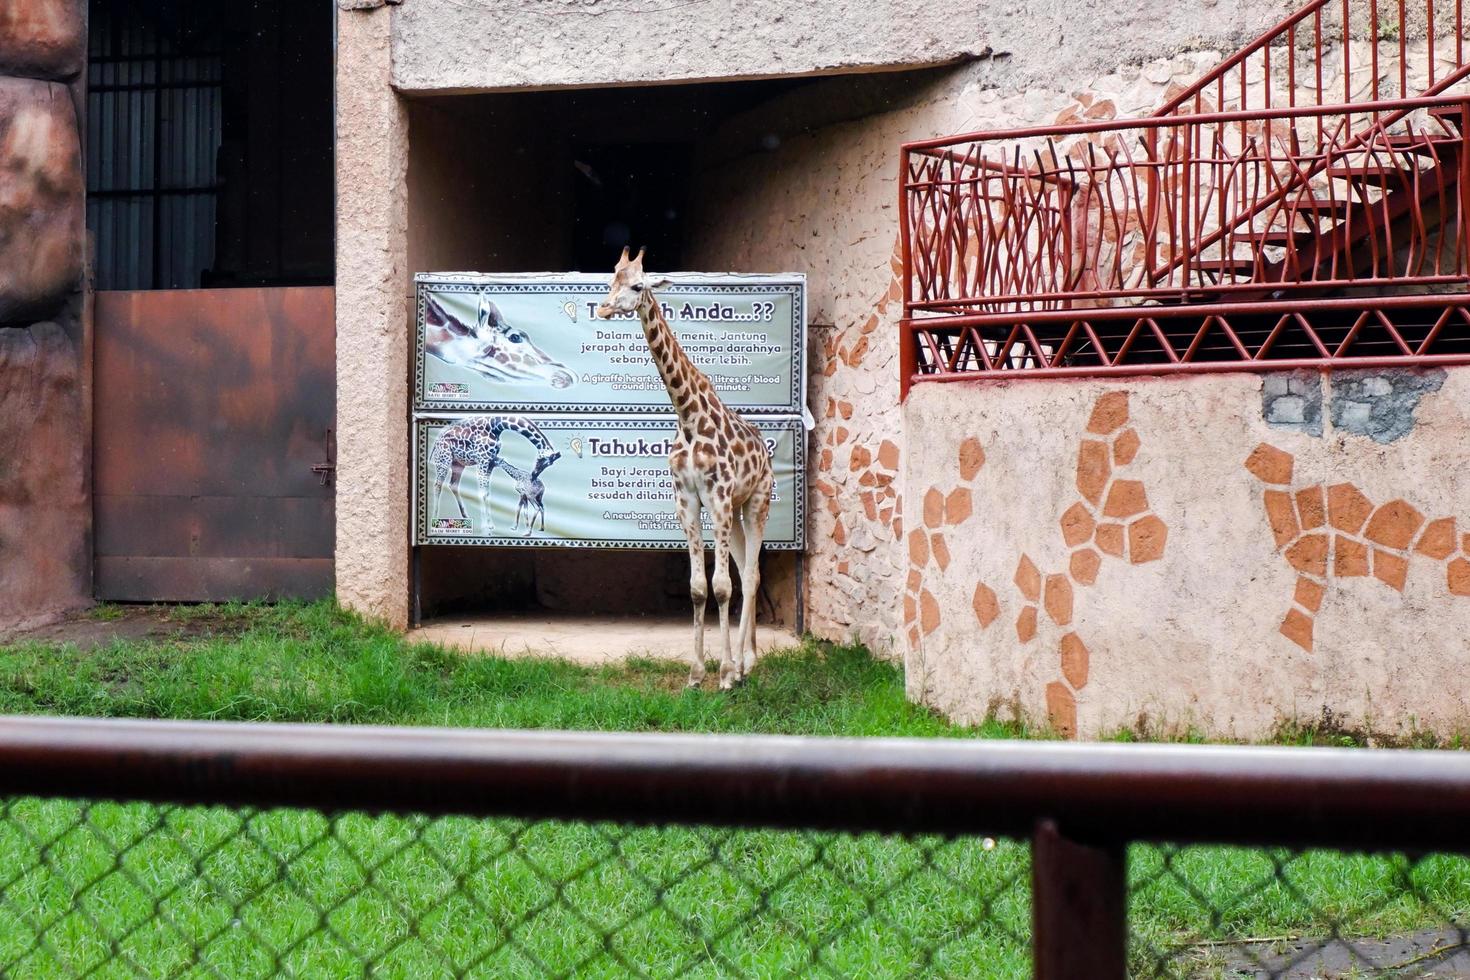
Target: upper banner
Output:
{"points": [[532, 343]]}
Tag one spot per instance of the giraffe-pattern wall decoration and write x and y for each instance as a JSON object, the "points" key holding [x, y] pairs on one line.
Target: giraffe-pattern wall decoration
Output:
{"points": [[1111, 520], [1328, 532]]}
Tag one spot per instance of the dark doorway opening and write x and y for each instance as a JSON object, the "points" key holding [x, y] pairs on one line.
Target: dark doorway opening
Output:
{"points": [[559, 181]]}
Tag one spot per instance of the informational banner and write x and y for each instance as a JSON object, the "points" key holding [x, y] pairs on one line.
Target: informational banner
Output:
{"points": [[530, 343], [578, 481]]}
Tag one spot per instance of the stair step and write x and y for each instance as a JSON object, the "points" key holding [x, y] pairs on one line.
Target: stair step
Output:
{"points": [[1448, 114], [1276, 236], [1320, 207], [1377, 176], [1419, 143], [1228, 267]]}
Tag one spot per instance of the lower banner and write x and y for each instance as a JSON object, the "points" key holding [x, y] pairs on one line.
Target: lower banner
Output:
{"points": [[575, 481]]}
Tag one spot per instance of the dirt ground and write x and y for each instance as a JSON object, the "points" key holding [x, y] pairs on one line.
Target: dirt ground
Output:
{"points": [[1430, 955], [100, 625]]}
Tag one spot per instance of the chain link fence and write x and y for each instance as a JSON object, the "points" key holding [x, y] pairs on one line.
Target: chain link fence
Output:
{"points": [[715, 857], [105, 889]]}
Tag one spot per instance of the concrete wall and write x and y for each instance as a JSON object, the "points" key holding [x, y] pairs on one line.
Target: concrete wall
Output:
{"points": [[1195, 551], [497, 45], [809, 182], [373, 336], [45, 354]]}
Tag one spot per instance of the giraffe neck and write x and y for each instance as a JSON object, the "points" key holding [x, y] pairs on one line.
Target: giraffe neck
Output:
{"points": [[515, 423], [685, 382]]}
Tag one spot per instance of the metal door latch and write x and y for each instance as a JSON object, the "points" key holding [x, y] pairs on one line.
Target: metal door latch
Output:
{"points": [[326, 468]]}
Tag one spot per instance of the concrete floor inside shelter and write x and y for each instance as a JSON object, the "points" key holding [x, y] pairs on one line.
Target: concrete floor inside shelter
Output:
{"points": [[590, 640]]}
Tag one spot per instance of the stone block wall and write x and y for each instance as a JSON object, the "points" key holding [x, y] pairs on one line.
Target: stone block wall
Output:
{"points": [[1164, 554], [45, 399]]}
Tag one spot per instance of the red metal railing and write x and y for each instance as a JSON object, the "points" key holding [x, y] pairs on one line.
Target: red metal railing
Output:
{"points": [[1398, 50], [1188, 209], [1327, 159]]}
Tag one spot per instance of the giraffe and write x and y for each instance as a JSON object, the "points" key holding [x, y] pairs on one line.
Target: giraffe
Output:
{"points": [[476, 441], [531, 489], [492, 348], [719, 462]]}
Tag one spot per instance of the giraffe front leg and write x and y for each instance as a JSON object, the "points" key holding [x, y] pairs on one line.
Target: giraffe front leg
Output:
{"points": [[687, 504], [721, 586], [482, 476]]}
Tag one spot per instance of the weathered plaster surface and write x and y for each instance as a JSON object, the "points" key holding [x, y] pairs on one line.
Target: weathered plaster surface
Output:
{"points": [[41, 211], [1226, 574], [45, 505], [45, 417], [491, 45], [42, 38], [372, 329]]}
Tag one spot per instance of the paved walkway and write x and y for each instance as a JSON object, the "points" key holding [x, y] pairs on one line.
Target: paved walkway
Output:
{"points": [[587, 639]]}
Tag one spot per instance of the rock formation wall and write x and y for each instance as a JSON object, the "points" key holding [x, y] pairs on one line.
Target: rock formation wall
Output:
{"points": [[45, 398]]}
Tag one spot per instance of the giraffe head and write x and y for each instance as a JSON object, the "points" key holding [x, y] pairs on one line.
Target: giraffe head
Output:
{"points": [[630, 288], [491, 348], [544, 459]]}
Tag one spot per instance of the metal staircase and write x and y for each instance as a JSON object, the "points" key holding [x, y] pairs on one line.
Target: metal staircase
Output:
{"points": [[1302, 204]]}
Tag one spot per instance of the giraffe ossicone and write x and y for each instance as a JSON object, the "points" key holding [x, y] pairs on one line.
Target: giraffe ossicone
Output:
{"points": [[720, 464]]}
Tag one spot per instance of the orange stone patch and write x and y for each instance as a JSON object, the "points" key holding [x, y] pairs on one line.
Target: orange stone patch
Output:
{"points": [[1109, 538], [870, 505], [1282, 515], [915, 579], [1395, 524], [940, 549], [918, 548], [1438, 539], [1085, 564], [1146, 539], [957, 506], [845, 408], [1311, 507], [1309, 594], [1457, 575], [868, 479], [910, 610], [1077, 525], [1350, 558], [1026, 624], [1059, 599], [1309, 555], [1074, 661], [1390, 569], [933, 507], [1126, 498], [1125, 447], [843, 568], [986, 606], [839, 533], [1061, 709], [1269, 464], [928, 612], [842, 434], [1109, 414], [1093, 469], [888, 455], [1297, 627], [1028, 578], [972, 457], [859, 459], [1347, 508], [826, 460]]}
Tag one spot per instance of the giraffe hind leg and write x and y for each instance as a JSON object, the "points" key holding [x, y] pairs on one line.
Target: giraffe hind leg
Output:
{"points": [[748, 552], [482, 474]]}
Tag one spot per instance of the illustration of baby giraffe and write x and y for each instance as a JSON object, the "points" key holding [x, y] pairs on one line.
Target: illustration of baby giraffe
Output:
{"points": [[531, 489], [719, 461]]}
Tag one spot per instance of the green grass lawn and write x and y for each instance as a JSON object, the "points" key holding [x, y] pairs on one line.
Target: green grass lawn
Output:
{"points": [[157, 891]]}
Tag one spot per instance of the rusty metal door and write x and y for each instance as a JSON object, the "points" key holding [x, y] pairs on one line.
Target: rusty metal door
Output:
{"points": [[214, 411]]}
